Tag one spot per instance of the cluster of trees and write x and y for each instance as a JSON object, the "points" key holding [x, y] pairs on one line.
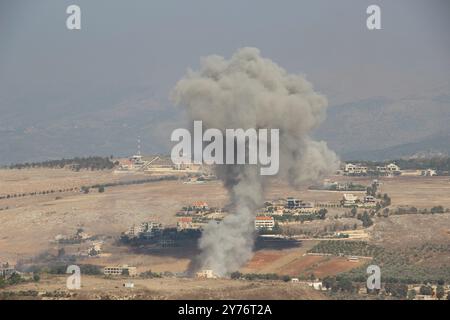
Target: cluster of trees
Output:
{"points": [[61, 268], [437, 209], [347, 248], [440, 163], [16, 278], [259, 276], [366, 220], [180, 238], [365, 217], [76, 164], [427, 290], [414, 210], [398, 290], [337, 187], [35, 193], [102, 187], [385, 200], [398, 266], [338, 284], [150, 275], [349, 187], [345, 283], [372, 189], [320, 215]]}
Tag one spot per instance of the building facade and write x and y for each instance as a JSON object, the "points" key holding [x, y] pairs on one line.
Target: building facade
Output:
{"points": [[264, 222], [120, 270]]}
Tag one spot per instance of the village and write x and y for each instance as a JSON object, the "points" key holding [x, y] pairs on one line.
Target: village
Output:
{"points": [[344, 208]]}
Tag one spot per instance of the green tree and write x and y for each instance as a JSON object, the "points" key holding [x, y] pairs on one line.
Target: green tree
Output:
{"points": [[437, 209], [286, 278], [329, 282], [440, 292], [345, 284], [426, 290], [61, 252], [322, 213], [366, 220], [36, 277], [400, 290], [411, 294], [15, 279]]}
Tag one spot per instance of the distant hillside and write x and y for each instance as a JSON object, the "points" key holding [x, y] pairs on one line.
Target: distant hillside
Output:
{"points": [[437, 145], [381, 128], [102, 127], [374, 129], [92, 163]]}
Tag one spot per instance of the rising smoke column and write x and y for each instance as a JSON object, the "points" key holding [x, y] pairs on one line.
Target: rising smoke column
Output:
{"points": [[249, 91]]}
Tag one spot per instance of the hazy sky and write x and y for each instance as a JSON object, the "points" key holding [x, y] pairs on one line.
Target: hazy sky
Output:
{"points": [[141, 48]]}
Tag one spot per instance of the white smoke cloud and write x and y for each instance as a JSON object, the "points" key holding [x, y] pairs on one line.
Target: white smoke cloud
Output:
{"points": [[249, 91]]}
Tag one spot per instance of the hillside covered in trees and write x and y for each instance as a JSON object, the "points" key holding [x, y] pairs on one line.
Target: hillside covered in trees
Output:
{"points": [[439, 163], [76, 164]]}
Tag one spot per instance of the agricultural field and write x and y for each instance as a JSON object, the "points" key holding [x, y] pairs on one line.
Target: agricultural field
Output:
{"points": [[98, 287], [30, 224]]}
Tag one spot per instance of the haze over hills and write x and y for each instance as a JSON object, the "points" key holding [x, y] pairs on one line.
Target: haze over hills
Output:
{"points": [[107, 126], [380, 128], [94, 91], [372, 129]]}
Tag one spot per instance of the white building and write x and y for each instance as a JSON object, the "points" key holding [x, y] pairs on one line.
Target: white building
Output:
{"points": [[370, 201], [390, 168], [184, 223], [429, 173], [264, 222], [144, 229], [349, 200], [6, 270], [351, 168], [120, 270], [278, 211], [206, 274], [292, 203]]}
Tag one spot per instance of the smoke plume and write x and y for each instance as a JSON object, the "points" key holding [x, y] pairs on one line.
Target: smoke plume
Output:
{"points": [[249, 91]]}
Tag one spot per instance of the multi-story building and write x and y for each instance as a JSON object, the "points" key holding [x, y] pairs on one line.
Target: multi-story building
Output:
{"points": [[428, 172], [349, 200], [200, 206], [120, 270], [264, 222], [292, 203], [351, 168], [206, 274], [184, 223], [389, 169], [6, 270]]}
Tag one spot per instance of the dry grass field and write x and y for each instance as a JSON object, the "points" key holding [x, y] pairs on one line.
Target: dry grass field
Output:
{"points": [[30, 224], [295, 263], [97, 287], [421, 192]]}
